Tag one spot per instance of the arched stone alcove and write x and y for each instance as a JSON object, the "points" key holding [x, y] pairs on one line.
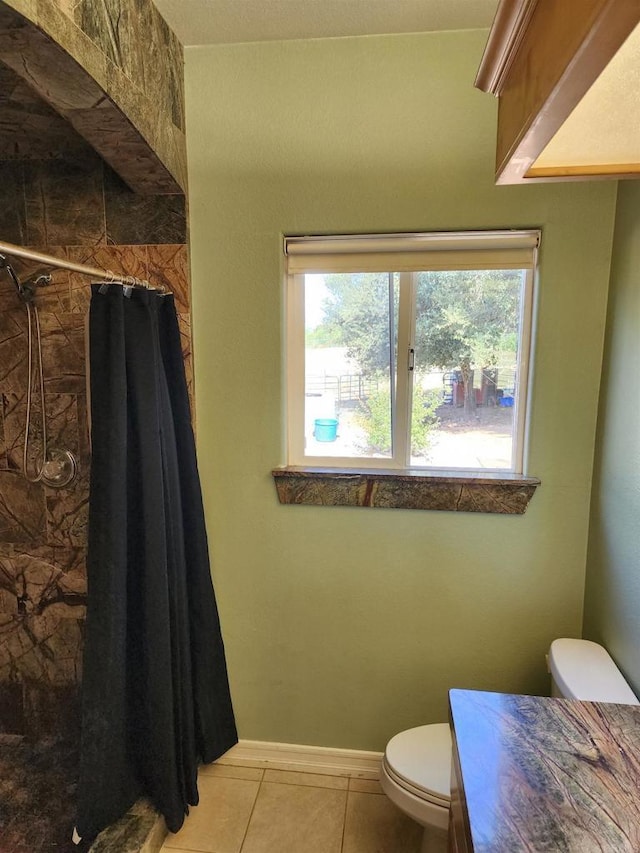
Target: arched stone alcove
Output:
{"points": [[132, 118]]}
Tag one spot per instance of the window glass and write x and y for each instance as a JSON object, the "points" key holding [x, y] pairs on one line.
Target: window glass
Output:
{"points": [[419, 365], [350, 346], [466, 359]]}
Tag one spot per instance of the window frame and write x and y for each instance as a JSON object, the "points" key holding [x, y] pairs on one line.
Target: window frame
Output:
{"points": [[406, 254]]}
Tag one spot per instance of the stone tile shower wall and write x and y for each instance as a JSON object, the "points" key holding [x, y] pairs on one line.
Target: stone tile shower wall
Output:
{"points": [[76, 77], [128, 49], [75, 208]]}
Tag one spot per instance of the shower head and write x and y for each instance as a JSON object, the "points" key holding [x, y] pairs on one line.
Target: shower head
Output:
{"points": [[31, 284]]}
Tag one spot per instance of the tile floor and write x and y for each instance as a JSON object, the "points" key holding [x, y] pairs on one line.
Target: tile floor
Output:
{"points": [[249, 810]]}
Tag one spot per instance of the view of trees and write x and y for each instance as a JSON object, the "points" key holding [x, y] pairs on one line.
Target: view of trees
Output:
{"points": [[465, 319]]}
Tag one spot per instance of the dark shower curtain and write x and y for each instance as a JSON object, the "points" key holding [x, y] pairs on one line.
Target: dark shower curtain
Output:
{"points": [[155, 692]]}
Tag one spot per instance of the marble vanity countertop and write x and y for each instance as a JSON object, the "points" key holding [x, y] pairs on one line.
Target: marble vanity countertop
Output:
{"points": [[540, 774]]}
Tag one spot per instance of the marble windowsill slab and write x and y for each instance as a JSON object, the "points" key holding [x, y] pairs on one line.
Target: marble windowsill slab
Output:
{"points": [[452, 491]]}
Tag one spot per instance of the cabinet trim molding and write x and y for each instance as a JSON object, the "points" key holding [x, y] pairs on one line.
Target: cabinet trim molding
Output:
{"points": [[507, 32]]}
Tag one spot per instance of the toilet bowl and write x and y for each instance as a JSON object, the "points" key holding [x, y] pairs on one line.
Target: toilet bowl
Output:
{"points": [[416, 776], [416, 767]]}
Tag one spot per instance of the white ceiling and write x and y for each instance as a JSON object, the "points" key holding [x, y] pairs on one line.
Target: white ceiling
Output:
{"points": [[227, 21]]}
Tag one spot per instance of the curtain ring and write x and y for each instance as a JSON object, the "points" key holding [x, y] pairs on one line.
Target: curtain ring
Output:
{"points": [[110, 279]]}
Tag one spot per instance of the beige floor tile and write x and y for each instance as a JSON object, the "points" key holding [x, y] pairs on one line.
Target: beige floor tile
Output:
{"points": [[230, 771], [219, 822], [313, 780], [374, 825], [296, 819], [365, 786]]}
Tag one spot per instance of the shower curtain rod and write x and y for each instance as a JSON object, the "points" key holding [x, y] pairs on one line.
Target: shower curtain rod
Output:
{"points": [[94, 272]]}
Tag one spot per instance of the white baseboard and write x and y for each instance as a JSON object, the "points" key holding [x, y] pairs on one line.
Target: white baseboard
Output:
{"points": [[354, 763]]}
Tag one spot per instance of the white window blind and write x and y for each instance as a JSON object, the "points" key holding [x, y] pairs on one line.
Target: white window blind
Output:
{"points": [[407, 252]]}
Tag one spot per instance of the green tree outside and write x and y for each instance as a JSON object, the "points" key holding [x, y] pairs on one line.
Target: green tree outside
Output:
{"points": [[465, 320]]}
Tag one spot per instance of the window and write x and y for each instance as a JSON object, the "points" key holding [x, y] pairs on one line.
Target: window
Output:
{"points": [[409, 351]]}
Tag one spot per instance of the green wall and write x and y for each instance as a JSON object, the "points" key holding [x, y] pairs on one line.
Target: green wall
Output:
{"points": [[612, 602], [345, 625]]}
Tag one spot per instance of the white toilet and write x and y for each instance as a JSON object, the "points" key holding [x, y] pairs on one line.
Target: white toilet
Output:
{"points": [[416, 768]]}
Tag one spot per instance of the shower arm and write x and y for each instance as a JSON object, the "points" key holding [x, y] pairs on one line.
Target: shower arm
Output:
{"points": [[26, 289], [107, 276]]}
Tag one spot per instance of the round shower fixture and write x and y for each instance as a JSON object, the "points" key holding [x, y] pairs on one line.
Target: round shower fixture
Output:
{"points": [[59, 468]]}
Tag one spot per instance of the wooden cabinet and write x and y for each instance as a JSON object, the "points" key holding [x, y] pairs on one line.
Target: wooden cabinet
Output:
{"points": [[559, 115], [459, 834]]}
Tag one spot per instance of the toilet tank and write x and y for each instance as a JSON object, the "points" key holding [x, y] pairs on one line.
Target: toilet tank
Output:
{"points": [[584, 670]]}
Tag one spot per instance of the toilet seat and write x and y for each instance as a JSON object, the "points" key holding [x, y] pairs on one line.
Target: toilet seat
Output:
{"points": [[419, 761], [418, 793]]}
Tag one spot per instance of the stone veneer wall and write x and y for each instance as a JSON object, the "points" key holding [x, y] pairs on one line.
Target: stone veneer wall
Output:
{"points": [[58, 196], [78, 209], [132, 54]]}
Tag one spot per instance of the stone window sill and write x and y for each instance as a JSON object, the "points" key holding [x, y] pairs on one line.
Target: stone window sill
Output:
{"points": [[452, 491]]}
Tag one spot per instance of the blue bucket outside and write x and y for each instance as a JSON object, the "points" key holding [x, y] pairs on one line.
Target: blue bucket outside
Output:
{"points": [[325, 429]]}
